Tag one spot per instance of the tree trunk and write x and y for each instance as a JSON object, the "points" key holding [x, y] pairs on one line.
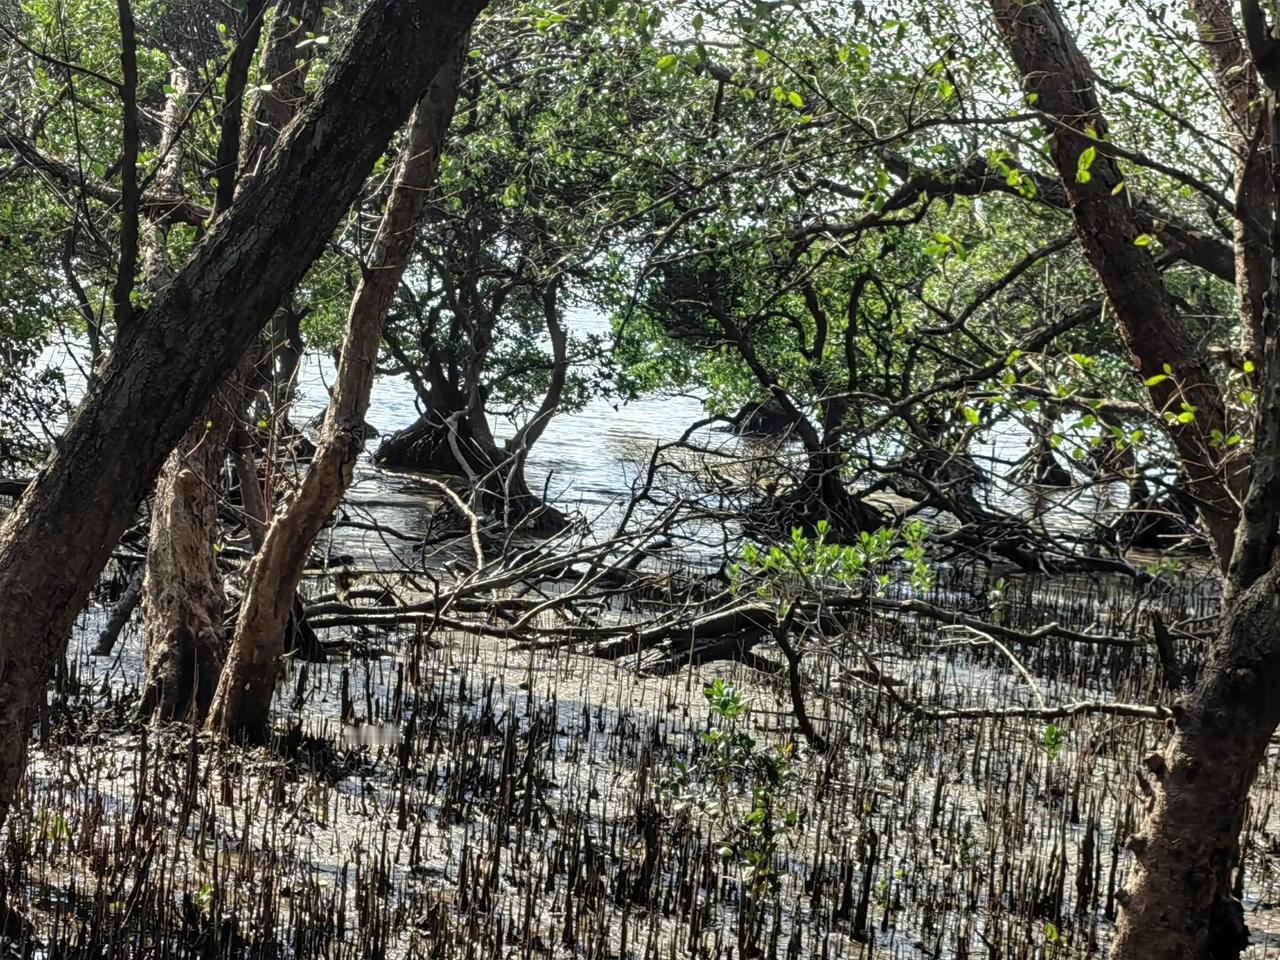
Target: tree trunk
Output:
{"points": [[1255, 199], [183, 605], [253, 501], [1163, 350], [120, 614], [424, 446], [437, 443], [825, 497], [242, 706], [283, 70], [1179, 904], [168, 362], [183, 602], [507, 497]]}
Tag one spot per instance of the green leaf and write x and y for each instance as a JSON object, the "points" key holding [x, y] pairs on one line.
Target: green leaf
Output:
{"points": [[1248, 366], [762, 57], [1083, 164], [971, 415], [1142, 240], [795, 99], [668, 63], [1158, 379]]}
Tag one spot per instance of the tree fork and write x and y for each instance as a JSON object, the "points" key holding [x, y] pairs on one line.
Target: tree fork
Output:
{"points": [[168, 362]]}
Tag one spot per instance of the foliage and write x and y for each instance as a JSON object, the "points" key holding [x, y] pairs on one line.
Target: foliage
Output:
{"points": [[733, 765], [812, 566]]}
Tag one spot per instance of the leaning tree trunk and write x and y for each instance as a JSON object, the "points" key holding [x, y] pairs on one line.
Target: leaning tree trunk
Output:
{"points": [[120, 614], [168, 362], [1178, 904], [1163, 350], [184, 605], [243, 702]]}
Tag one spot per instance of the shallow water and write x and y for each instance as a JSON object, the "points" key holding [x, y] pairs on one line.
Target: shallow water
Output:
{"points": [[589, 460]]}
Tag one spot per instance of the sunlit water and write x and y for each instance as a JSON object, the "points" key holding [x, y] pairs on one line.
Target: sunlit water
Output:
{"points": [[588, 461]]}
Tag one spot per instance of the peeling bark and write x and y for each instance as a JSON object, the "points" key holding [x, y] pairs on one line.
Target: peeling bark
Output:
{"points": [[184, 605], [243, 702], [167, 364], [182, 599]]}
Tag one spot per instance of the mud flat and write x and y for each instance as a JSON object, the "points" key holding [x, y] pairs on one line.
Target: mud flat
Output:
{"points": [[449, 796]]}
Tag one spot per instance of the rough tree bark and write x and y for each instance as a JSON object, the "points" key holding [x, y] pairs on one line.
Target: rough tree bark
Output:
{"points": [[1179, 903], [166, 365], [182, 597], [242, 705], [184, 605]]}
